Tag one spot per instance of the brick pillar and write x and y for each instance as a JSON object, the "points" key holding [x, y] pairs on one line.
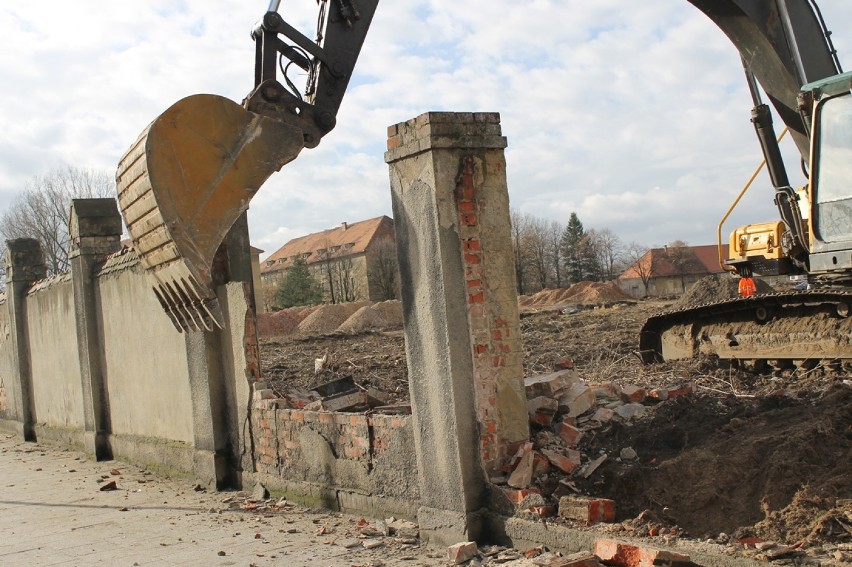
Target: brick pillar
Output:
{"points": [[24, 265], [451, 212], [95, 231]]}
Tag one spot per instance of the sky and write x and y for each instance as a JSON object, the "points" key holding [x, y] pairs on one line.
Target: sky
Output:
{"points": [[634, 115]]}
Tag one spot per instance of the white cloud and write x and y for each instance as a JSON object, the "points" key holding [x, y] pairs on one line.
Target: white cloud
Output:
{"points": [[633, 114]]}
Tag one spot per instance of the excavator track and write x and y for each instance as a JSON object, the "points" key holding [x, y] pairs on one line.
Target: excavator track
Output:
{"points": [[798, 326]]}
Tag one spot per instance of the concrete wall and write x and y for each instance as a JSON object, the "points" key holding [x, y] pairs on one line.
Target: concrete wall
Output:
{"points": [[152, 367], [8, 368], [52, 333]]}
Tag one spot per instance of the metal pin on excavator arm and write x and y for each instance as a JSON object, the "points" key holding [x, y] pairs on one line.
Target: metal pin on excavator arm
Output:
{"points": [[192, 172]]}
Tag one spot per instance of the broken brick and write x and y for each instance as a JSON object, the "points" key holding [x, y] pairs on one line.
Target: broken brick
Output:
{"points": [[460, 552], [545, 511], [570, 434], [541, 464], [587, 509], [631, 393], [622, 554], [517, 496], [565, 463], [523, 449], [522, 476], [550, 385], [542, 409], [603, 415], [680, 391], [577, 400]]}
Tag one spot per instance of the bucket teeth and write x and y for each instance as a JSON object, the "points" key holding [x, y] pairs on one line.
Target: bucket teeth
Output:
{"points": [[182, 185]]}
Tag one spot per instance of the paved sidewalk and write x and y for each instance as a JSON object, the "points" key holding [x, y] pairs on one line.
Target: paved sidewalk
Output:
{"points": [[52, 512]]}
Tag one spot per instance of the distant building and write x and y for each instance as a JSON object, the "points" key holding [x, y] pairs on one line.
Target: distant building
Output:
{"points": [[353, 262], [670, 272]]}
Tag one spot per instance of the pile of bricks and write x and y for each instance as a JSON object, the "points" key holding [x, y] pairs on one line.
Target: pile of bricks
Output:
{"points": [[563, 408]]}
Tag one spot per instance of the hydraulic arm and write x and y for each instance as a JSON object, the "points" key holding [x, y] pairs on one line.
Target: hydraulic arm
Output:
{"points": [[193, 170]]}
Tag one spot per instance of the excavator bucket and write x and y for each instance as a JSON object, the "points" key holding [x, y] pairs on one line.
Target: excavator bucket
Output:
{"points": [[183, 184]]}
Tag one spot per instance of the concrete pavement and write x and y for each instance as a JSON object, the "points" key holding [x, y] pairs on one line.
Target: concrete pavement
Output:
{"points": [[53, 512]]}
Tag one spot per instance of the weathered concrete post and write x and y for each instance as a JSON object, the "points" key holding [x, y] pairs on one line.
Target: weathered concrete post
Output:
{"points": [[95, 231], [220, 363], [24, 265], [451, 211]]}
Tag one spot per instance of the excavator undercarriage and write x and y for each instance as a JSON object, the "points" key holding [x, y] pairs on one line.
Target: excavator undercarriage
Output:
{"points": [[806, 325]]}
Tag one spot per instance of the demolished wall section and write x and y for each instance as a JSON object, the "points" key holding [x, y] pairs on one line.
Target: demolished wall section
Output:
{"points": [[346, 461]]}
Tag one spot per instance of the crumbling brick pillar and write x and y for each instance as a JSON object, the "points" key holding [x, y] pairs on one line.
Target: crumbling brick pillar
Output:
{"points": [[459, 298], [24, 265], [95, 231]]}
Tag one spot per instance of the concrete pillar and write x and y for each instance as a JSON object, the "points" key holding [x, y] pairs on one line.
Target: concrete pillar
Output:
{"points": [[218, 381], [24, 265], [95, 231], [451, 212]]}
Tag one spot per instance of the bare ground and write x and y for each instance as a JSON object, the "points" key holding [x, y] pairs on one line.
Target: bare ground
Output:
{"points": [[766, 455]]}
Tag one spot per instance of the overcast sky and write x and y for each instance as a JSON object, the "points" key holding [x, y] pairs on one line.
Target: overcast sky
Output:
{"points": [[634, 114]]}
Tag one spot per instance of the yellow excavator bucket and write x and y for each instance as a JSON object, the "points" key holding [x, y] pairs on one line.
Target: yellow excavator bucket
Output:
{"points": [[183, 184]]}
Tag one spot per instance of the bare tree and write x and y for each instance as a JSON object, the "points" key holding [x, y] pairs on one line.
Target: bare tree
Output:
{"points": [[608, 251], [642, 262], [519, 230], [538, 252], [386, 268], [683, 259], [42, 210], [553, 235]]}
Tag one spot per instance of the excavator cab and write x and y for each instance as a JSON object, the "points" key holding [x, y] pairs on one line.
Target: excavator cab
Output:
{"points": [[192, 172], [828, 104]]}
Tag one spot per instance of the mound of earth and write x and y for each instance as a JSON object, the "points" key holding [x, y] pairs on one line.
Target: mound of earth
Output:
{"points": [[327, 318], [365, 319], [280, 323], [582, 292], [716, 287]]}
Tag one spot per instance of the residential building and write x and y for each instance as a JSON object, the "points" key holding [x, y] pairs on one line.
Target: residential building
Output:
{"points": [[667, 272], [353, 262]]}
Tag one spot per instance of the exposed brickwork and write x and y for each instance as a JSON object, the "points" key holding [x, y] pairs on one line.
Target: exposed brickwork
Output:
{"points": [[495, 341], [352, 436]]}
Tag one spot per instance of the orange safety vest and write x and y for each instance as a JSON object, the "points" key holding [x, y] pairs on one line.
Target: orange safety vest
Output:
{"points": [[746, 287]]}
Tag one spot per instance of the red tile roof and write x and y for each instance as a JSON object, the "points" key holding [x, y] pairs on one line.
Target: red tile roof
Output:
{"points": [[356, 236], [707, 256]]}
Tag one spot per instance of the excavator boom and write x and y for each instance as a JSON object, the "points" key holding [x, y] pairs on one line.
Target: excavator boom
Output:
{"points": [[192, 172]]}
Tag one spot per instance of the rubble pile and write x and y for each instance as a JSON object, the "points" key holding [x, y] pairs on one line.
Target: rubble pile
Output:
{"points": [[542, 476]]}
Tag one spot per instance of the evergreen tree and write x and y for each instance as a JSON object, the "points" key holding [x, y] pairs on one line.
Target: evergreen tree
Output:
{"points": [[571, 248], [299, 287]]}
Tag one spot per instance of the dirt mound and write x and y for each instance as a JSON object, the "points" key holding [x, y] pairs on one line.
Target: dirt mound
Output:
{"points": [[368, 318], [391, 311], [281, 323], [581, 292], [716, 287], [327, 318], [773, 467]]}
